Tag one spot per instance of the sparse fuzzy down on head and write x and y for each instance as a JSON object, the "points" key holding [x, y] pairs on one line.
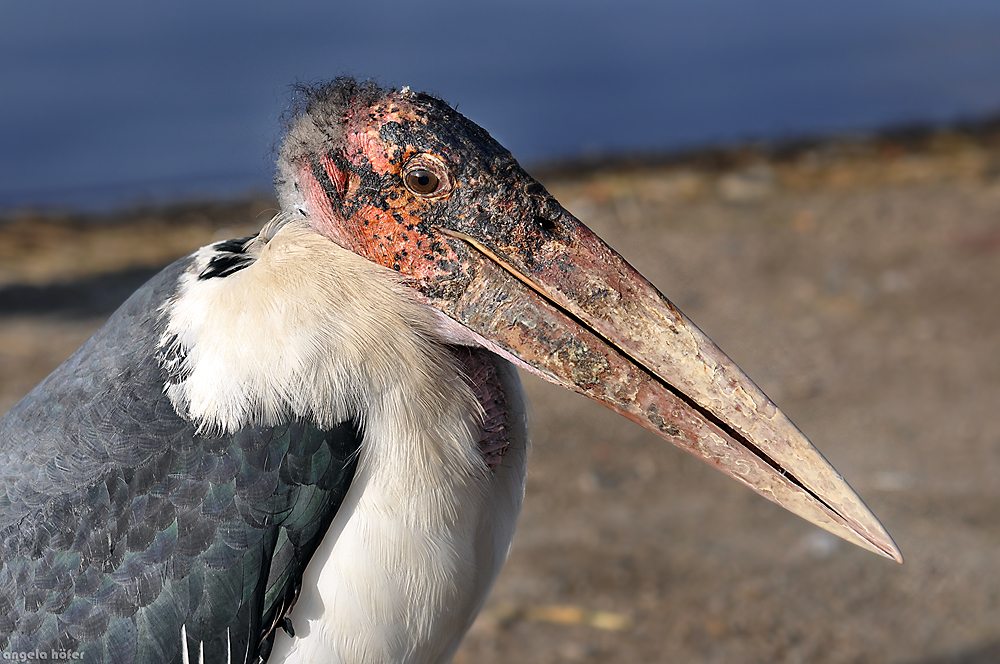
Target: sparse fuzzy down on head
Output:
{"points": [[315, 125]]}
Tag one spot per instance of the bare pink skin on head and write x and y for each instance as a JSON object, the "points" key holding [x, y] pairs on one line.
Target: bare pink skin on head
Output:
{"points": [[385, 234]]}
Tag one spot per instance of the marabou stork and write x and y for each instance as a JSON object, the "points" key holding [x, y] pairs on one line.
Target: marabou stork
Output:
{"points": [[309, 445]]}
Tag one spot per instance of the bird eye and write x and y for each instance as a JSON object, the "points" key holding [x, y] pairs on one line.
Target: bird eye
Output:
{"points": [[421, 181], [425, 175]]}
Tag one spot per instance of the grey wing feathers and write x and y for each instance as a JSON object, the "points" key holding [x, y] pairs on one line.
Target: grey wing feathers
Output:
{"points": [[125, 536]]}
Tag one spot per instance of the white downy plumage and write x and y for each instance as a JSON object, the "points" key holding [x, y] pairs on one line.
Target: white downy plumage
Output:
{"points": [[425, 527]]}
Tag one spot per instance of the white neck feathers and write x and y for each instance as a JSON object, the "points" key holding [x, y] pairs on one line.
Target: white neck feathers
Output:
{"points": [[312, 331]]}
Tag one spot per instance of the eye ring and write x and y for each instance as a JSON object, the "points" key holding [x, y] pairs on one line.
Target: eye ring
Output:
{"points": [[426, 176]]}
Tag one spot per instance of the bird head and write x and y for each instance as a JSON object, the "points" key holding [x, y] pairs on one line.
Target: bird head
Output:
{"points": [[407, 182]]}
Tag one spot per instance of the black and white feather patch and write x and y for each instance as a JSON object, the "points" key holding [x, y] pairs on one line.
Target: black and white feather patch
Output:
{"points": [[172, 357], [231, 256]]}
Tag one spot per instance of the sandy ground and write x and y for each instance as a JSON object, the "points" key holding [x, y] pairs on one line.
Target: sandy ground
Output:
{"points": [[857, 284]]}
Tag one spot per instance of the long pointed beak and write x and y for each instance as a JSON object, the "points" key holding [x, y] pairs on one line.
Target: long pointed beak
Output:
{"points": [[575, 312], [412, 185]]}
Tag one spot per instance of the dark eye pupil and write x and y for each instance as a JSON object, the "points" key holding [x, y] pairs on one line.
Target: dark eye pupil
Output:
{"points": [[421, 181]]}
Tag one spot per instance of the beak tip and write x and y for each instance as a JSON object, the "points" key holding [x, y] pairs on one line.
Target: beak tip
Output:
{"points": [[872, 535], [889, 549]]}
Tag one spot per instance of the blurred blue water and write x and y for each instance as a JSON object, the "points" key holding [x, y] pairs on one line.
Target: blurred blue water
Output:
{"points": [[106, 102]]}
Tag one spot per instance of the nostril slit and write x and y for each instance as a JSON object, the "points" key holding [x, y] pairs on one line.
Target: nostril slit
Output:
{"points": [[547, 225]]}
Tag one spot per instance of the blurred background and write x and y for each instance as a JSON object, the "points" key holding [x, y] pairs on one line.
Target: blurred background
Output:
{"points": [[114, 101], [816, 184]]}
